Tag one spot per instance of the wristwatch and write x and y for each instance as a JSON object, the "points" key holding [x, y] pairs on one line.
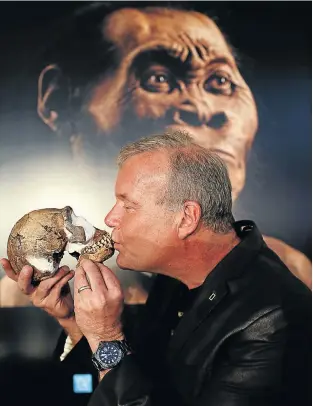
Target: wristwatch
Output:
{"points": [[109, 354]]}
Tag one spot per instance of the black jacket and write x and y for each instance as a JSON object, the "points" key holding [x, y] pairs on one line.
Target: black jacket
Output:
{"points": [[246, 340]]}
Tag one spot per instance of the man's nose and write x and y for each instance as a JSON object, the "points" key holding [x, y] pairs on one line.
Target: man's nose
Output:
{"points": [[112, 219], [197, 113]]}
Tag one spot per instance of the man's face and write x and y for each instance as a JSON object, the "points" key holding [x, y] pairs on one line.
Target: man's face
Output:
{"points": [[143, 231], [175, 70]]}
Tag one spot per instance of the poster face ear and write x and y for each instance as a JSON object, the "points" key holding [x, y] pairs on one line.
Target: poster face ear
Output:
{"points": [[47, 85]]}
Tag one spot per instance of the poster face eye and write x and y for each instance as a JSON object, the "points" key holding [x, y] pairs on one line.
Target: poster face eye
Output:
{"points": [[157, 80], [220, 83]]}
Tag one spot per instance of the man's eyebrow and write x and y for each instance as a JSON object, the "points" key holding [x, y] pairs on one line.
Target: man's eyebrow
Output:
{"points": [[123, 196]]}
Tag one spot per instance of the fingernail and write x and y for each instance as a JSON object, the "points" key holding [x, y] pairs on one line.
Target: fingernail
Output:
{"points": [[65, 268], [71, 273], [27, 269]]}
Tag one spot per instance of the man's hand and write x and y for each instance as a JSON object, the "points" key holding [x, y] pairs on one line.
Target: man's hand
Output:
{"points": [[98, 309], [53, 294]]}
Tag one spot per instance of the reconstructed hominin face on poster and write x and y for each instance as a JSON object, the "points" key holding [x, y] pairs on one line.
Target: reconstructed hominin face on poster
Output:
{"points": [[164, 69]]}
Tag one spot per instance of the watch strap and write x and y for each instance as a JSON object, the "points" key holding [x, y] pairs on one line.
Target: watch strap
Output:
{"points": [[125, 346], [96, 363]]}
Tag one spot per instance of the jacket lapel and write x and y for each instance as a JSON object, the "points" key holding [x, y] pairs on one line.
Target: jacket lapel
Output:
{"points": [[205, 302]]}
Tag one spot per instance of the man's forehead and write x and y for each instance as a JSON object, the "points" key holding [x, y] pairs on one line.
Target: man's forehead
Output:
{"points": [[129, 28], [144, 170]]}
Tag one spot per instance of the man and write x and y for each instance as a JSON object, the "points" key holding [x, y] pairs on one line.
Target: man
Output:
{"points": [[152, 68], [225, 323]]}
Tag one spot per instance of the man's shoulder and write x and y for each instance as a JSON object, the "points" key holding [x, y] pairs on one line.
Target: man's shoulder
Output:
{"points": [[267, 282], [266, 299]]}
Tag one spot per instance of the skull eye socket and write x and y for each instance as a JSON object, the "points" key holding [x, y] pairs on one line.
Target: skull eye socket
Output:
{"points": [[158, 80], [57, 256]]}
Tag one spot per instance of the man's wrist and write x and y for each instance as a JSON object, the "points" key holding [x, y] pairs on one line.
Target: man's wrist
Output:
{"points": [[127, 351], [103, 373], [95, 340], [66, 321]]}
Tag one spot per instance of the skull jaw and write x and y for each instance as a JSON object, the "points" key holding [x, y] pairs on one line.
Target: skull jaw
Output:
{"points": [[98, 256], [45, 268], [98, 249]]}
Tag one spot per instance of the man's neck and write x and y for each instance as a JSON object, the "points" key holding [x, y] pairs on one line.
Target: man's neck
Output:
{"points": [[196, 258]]}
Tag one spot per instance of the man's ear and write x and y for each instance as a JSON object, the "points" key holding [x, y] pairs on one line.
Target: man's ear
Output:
{"points": [[190, 217], [48, 84]]}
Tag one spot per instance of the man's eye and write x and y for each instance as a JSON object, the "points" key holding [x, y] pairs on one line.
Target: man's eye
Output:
{"points": [[219, 83], [157, 82]]}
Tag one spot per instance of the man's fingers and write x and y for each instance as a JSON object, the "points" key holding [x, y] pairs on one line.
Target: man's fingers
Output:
{"points": [[8, 269], [79, 281], [92, 273], [46, 285], [109, 278], [25, 280], [62, 283]]}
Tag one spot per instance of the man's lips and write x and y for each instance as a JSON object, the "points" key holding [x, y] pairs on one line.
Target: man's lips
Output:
{"points": [[115, 243]]}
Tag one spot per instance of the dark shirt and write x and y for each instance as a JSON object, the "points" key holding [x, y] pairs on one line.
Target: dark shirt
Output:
{"points": [[183, 299], [153, 342]]}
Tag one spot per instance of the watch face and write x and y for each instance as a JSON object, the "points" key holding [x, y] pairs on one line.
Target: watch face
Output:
{"points": [[110, 354]]}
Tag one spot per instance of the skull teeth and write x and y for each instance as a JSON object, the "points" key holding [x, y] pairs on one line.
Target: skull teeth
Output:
{"points": [[91, 249]]}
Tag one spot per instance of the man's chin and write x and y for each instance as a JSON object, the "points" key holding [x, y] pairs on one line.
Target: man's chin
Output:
{"points": [[128, 265], [121, 264]]}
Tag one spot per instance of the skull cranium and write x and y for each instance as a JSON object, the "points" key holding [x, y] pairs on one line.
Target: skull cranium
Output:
{"points": [[41, 237]]}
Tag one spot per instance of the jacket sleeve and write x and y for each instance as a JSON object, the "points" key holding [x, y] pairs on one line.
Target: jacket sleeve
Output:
{"points": [[267, 357], [78, 360], [131, 314], [124, 385]]}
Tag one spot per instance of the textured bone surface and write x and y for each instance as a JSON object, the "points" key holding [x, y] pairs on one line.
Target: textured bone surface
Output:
{"points": [[41, 237]]}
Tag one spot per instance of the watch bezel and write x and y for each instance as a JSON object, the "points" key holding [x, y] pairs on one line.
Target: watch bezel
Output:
{"points": [[101, 365]]}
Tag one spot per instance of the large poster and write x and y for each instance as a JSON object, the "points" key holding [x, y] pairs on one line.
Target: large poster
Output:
{"points": [[81, 79]]}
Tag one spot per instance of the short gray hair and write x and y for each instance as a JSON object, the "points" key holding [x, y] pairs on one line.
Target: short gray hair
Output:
{"points": [[196, 174]]}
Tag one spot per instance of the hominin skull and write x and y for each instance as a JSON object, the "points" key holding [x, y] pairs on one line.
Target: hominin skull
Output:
{"points": [[41, 237]]}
